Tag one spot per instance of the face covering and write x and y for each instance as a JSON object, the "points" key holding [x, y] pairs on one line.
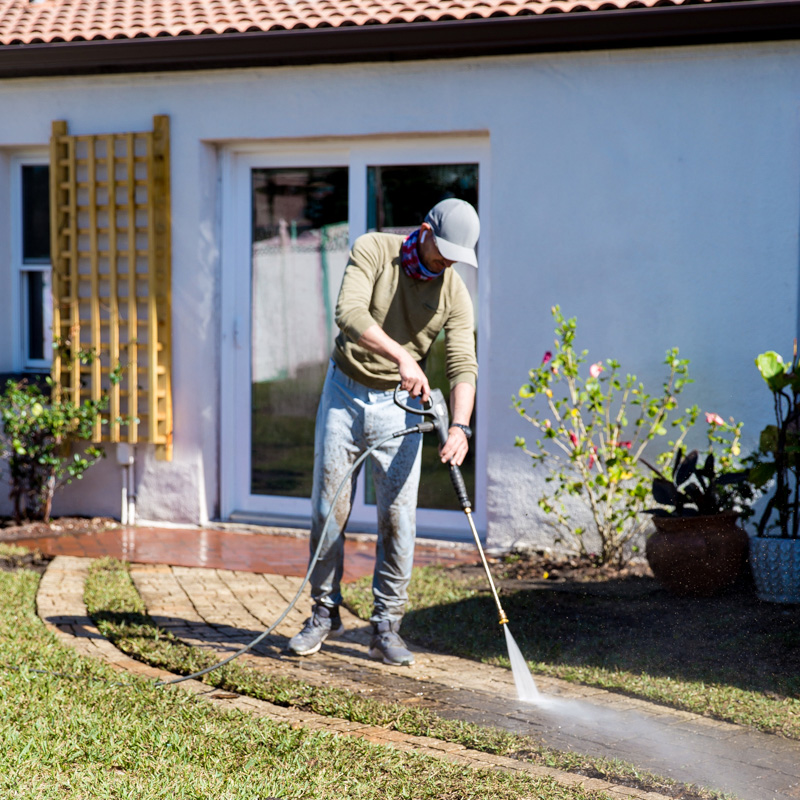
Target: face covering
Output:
{"points": [[409, 258]]}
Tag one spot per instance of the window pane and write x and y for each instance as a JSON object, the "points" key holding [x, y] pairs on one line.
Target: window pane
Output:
{"points": [[35, 213], [300, 248], [35, 290], [398, 199]]}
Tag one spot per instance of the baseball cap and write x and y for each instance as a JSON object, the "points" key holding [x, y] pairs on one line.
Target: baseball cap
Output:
{"points": [[456, 228]]}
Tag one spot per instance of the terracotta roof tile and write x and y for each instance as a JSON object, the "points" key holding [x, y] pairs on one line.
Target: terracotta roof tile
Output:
{"points": [[23, 22]]}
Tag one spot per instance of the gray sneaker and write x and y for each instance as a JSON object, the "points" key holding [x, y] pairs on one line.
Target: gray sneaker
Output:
{"points": [[323, 623], [387, 645]]}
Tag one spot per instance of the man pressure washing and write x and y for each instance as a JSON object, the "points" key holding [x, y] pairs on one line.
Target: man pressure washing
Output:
{"points": [[397, 295]]}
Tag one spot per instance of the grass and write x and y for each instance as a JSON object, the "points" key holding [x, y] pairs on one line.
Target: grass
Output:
{"points": [[730, 658], [119, 613], [85, 736]]}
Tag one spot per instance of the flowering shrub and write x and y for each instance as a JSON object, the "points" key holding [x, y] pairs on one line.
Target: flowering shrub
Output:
{"points": [[593, 429]]}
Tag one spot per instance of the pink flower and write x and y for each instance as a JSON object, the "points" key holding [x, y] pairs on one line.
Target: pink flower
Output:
{"points": [[714, 419], [593, 457], [626, 445], [573, 437], [547, 357], [596, 369]]}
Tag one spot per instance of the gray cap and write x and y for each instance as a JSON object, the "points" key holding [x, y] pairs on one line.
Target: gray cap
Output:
{"points": [[456, 228]]}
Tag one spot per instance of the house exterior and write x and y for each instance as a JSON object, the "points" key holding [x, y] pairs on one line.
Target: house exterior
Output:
{"points": [[636, 163]]}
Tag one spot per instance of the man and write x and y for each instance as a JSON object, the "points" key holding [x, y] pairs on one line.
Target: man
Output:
{"points": [[396, 296]]}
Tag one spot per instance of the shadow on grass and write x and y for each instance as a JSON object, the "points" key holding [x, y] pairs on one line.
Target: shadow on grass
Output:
{"points": [[733, 640]]}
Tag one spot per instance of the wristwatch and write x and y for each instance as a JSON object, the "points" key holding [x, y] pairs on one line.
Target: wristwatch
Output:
{"points": [[466, 428]]}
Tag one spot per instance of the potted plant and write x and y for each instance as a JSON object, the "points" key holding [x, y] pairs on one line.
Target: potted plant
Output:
{"points": [[775, 548], [698, 549]]}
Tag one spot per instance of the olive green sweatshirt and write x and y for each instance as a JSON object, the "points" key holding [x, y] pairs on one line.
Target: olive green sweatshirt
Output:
{"points": [[375, 289]]}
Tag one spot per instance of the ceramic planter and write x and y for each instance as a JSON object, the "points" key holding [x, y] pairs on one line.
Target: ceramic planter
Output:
{"points": [[776, 569], [697, 556]]}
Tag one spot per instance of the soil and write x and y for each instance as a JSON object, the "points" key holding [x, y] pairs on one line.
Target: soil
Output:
{"points": [[10, 531], [562, 573], [35, 560]]}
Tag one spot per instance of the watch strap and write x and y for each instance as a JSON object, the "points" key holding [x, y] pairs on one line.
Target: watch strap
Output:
{"points": [[467, 430]]}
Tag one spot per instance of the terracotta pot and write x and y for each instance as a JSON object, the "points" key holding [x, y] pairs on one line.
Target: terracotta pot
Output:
{"points": [[697, 556]]}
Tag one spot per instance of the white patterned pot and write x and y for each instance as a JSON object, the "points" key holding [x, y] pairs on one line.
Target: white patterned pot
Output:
{"points": [[776, 569]]}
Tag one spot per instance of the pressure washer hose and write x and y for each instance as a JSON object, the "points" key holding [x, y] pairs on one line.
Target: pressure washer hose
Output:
{"points": [[423, 427]]}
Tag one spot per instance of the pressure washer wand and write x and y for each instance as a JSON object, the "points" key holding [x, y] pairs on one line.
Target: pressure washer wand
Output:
{"points": [[463, 498], [436, 407]]}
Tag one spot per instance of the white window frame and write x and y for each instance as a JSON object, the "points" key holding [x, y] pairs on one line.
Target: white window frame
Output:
{"points": [[237, 161], [20, 270]]}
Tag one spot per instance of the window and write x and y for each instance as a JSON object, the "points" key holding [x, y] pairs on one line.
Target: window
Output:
{"points": [[31, 261]]}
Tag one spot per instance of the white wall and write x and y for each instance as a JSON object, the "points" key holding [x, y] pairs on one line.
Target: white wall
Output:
{"points": [[652, 193]]}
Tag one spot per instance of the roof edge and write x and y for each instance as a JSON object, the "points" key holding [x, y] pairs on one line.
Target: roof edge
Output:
{"points": [[712, 23]]}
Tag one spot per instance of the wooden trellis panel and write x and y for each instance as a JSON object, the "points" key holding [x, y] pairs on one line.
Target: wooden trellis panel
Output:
{"points": [[110, 221]]}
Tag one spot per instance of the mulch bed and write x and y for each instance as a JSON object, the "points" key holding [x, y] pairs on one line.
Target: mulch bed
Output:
{"points": [[10, 531], [580, 574]]}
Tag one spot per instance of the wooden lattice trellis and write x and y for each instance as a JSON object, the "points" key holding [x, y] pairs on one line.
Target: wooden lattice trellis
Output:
{"points": [[110, 220]]}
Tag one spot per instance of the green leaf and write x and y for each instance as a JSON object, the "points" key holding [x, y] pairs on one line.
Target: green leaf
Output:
{"points": [[772, 369], [762, 473], [768, 441]]}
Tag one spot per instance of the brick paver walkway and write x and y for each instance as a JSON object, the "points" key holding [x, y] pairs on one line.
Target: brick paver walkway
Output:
{"points": [[60, 604], [222, 609]]}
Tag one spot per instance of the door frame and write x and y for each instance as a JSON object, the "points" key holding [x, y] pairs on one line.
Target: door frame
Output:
{"points": [[237, 161]]}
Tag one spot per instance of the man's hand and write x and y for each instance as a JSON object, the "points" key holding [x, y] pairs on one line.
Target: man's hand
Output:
{"points": [[413, 379], [455, 449]]}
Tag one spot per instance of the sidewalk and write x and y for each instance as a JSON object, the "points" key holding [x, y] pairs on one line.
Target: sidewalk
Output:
{"points": [[221, 608]]}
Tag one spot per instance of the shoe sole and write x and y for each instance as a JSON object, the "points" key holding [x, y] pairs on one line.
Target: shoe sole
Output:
{"points": [[333, 634], [378, 654]]}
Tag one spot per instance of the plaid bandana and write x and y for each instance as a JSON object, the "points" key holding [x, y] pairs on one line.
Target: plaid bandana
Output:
{"points": [[409, 258]]}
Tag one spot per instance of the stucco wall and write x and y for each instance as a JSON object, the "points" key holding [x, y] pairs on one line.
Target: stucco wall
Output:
{"points": [[652, 193]]}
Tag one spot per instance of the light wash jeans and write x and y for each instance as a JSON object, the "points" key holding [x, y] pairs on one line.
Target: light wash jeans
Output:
{"points": [[350, 418]]}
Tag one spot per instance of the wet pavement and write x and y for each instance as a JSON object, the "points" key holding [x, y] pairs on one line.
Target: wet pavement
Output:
{"points": [[279, 554]]}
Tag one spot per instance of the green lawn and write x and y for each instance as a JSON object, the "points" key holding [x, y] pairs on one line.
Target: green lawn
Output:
{"points": [[86, 737], [117, 609], [731, 657]]}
